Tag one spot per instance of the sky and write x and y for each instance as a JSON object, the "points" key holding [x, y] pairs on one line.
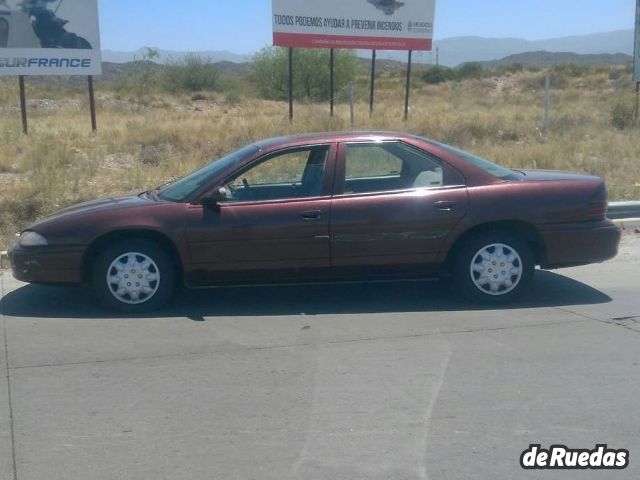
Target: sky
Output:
{"points": [[244, 26]]}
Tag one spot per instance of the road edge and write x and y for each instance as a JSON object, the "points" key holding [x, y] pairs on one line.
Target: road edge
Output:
{"points": [[628, 225]]}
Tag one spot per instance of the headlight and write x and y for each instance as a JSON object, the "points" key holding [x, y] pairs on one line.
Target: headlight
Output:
{"points": [[32, 239]]}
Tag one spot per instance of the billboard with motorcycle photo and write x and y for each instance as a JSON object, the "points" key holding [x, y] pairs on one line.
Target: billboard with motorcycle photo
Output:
{"points": [[49, 37]]}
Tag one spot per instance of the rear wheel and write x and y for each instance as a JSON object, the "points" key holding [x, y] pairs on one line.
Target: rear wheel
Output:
{"points": [[135, 276], [493, 267]]}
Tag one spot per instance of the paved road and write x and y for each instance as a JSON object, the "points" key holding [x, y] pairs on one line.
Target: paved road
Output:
{"points": [[398, 381]]}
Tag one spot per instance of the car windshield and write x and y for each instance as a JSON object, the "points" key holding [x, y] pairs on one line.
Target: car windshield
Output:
{"points": [[181, 189], [489, 167]]}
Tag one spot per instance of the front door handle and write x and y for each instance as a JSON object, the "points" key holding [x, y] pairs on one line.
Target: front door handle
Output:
{"points": [[311, 215], [445, 206]]}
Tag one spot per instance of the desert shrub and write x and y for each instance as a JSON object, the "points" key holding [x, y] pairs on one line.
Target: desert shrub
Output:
{"points": [[558, 80], [571, 69], [469, 70], [437, 74], [616, 74], [143, 81], [191, 73], [233, 98], [622, 115], [270, 73], [512, 68]]}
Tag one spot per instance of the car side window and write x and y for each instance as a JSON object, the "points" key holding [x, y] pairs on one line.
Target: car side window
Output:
{"points": [[292, 174], [388, 166], [365, 161]]}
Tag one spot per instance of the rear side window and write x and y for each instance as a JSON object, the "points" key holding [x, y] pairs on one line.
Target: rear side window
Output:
{"points": [[365, 161], [491, 168], [389, 166]]}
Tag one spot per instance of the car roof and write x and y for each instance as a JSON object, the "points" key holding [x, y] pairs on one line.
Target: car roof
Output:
{"points": [[307, 138]]}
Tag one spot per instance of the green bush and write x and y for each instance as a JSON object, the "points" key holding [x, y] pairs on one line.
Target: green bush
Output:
{"points": [[270, 73], [571, 69], [558, 80], [437, 74], [468, 71], [192, 73], [511, 68], [144, 80], [622, 115], [615, 74]]}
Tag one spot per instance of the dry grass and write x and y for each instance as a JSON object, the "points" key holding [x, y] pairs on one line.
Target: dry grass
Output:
{"points": [[60, 163]]}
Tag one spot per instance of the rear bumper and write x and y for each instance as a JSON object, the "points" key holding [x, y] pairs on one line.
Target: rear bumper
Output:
{"points": [[49, 265], [574, 244]]}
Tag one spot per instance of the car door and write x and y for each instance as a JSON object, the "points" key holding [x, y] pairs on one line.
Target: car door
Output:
{"points": [[273, 224], [394, 206]]}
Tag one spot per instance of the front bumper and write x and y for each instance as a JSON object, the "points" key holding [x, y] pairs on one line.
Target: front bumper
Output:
{"points": [[575, 244], [50, 264]]}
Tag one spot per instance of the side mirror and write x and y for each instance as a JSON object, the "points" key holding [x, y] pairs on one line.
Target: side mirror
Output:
{"points": [[213, 198]]}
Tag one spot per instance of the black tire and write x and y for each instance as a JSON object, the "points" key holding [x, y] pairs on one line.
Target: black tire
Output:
{"points": [[162, 264], [469, 282]]}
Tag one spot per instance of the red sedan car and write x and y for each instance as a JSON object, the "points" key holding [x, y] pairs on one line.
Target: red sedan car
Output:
{"points": [[326, 207]]}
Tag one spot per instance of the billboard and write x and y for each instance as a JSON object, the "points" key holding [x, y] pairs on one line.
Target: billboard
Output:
{"points": [[49, 37], [354, 24], [636, 57]]}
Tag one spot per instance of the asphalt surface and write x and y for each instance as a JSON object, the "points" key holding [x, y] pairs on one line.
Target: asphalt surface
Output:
{"points": [[385, 381]]}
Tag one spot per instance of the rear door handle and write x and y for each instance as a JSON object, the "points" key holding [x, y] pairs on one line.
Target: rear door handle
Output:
{"points": [[311, 215], [445, 206]]}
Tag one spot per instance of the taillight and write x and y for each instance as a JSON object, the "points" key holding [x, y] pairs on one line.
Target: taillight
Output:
{"points": [[597, 210]]}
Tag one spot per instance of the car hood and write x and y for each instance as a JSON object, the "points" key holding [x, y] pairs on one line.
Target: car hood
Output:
{"points": [[555, 175], [94, 206]]}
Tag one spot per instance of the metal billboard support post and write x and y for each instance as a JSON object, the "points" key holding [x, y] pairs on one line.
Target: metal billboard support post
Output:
{"points": [[331, 85], [290, 85], [373, 82], [92, 105], [406, 96], [23, 105], [351, 106], [637, 102]]}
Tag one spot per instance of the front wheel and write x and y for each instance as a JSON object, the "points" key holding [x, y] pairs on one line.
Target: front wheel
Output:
{"points": [[135, 276], [494, 268]]}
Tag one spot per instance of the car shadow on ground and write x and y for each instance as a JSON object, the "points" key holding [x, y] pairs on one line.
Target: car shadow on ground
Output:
{"points": [[547, 290]]}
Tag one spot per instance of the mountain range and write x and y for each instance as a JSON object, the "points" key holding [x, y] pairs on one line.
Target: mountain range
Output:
{"points": [[450, 51], [165, 56], [457, 50]]}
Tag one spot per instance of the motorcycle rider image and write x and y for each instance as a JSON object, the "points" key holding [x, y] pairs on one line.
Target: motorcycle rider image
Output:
{"points": [[4, 25], [389, 7], [41, 19]]}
